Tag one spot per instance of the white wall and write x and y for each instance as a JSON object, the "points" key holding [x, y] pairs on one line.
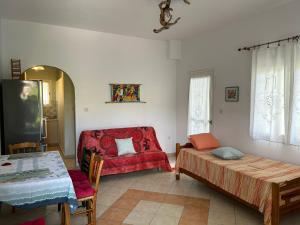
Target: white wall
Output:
{"points": [[60, 101], [69, 117], [218, 50], [93, 60]]}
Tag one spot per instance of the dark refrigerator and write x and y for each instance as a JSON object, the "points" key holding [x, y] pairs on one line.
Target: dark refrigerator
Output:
{"points": [[21, 113]]}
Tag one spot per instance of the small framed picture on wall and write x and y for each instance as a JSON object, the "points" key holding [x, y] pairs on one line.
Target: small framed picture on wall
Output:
{"points": [[232, 94]]}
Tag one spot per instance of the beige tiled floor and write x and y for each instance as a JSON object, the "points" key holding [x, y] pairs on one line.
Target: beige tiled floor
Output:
{"points": [[149, 212], [137, 207], [223, 210]]}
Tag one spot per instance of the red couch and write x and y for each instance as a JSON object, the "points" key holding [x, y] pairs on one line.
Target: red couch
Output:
{"points": [[149, 154]]}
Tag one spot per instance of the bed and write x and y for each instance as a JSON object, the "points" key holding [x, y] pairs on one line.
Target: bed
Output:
{"points": [[271, 187]]}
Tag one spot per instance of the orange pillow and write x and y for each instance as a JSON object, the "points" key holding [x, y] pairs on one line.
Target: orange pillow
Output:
{"points": [[204, 141]]}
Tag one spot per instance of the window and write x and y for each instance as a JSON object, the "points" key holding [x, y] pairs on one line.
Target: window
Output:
{"points": [[46, 93], [275, 94], [199, 105]]}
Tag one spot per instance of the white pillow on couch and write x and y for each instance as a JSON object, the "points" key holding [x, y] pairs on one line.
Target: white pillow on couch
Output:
{"points": [[125, 146]]}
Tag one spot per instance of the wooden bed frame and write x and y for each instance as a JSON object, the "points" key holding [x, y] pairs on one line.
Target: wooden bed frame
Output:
{"points": [[280, 193]]}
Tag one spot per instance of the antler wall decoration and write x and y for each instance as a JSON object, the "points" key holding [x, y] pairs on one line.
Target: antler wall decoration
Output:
{"points": [[166, 16]]}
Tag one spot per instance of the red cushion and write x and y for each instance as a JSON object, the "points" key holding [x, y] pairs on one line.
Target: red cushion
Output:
{"points": [[77, 175], [81, 184], [39, 221]]}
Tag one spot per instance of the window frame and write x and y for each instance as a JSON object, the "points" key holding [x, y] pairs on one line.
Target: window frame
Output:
{"points": [[199, 74], [49, 92]]}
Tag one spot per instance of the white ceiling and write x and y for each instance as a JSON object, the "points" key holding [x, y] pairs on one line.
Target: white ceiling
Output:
{"points": [[134, 17]]}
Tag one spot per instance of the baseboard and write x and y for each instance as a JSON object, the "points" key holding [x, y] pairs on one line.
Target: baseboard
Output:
{"points": [[69, 156], [171, 154]]}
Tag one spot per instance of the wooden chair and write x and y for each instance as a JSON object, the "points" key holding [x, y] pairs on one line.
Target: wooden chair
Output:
{"points": [[87, 194], [85, 167], [24, 147]]}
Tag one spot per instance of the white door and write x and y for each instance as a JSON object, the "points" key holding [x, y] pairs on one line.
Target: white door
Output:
{"points": [[200, 103]]}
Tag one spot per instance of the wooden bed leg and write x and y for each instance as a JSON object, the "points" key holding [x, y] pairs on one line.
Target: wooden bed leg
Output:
{"points": [[275, 204], [178, 176], [178, 147]]}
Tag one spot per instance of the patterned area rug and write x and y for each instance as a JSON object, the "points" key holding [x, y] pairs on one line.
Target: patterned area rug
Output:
{"points": [[136, 207]]}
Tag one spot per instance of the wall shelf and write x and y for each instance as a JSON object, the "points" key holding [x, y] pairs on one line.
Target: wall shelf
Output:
{"points": [[123, 102]]}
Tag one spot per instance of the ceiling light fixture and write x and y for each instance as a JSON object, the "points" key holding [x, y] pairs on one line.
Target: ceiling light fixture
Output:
{"points": [[166, 16], [38, 68]]}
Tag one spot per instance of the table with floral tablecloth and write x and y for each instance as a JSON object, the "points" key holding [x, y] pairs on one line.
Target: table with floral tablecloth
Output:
{"points": [[35, 179]]}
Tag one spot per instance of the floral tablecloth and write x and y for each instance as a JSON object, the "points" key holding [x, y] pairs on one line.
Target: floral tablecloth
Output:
{"points": [[42, 188]]}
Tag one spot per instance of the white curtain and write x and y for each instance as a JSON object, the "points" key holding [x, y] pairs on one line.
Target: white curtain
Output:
{"points": [[275, 89], [199, 105], [295, 112]]}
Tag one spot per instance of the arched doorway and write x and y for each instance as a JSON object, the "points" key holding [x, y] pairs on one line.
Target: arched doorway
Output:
{"points": [[58, 107]]}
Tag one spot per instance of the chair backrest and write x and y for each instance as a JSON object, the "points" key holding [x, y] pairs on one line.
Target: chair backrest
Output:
{"points": [[95, 170], [24, 147], [86, 161]]}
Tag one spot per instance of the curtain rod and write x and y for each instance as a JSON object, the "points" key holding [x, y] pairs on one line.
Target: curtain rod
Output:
{"points": [[269, 43]]}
